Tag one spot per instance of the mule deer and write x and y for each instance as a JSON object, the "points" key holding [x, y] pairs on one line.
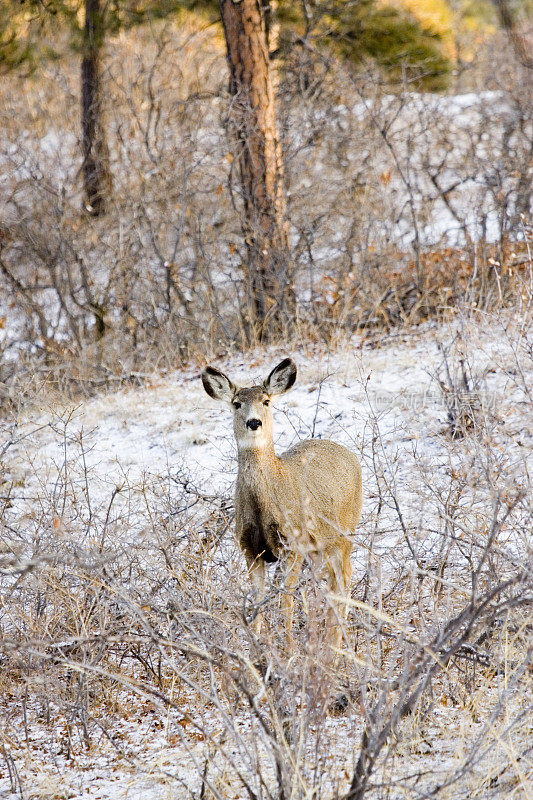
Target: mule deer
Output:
{"points": [[306, 502]]}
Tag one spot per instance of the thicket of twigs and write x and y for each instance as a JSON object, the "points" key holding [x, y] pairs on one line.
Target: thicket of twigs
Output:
{"points": [[128, 601], [392, 195], [130, 604]]}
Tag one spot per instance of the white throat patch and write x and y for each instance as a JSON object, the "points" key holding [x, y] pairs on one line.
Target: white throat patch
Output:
{"points": [[252, 440]]}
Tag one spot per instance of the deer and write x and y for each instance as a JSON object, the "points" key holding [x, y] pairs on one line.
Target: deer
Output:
{"points": [[304, 503]]}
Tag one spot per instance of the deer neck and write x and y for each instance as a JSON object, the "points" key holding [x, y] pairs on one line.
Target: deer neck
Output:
{"points": [[255, 463]]}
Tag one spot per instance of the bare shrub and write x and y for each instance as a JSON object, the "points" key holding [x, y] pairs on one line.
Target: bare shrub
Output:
{"points": [[400, 206], [126, 618]]}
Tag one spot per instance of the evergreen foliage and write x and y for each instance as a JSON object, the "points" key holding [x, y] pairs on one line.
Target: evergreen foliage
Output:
{"points": [[351, 30], [357, 30], [30, 30], [408, 45], [26, 31]]}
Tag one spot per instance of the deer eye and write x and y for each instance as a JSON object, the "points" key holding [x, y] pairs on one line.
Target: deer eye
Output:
{"points": [[236, 404], [266, 402]]}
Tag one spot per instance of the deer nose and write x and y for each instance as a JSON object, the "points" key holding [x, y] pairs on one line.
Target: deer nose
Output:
{"points": [[254, 424]]}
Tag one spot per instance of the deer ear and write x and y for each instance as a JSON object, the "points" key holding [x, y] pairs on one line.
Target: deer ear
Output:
{"points": [[281, 378], [217, 385]]}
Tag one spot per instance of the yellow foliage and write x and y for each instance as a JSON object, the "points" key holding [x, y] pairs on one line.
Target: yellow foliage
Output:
{"points": [[433, 15], [470, 22]]}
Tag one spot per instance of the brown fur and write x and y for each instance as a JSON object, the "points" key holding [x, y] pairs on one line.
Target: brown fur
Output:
{"points": [[306, 502]]}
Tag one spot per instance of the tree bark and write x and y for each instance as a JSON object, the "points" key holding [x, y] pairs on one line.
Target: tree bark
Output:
{"points": [[252, 122], [96, 174]]}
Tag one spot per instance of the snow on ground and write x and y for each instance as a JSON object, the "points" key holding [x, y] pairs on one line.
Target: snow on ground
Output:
{"points": [[363, 393], [170, 425], [445, 154], [383, 399], [150, 759]]}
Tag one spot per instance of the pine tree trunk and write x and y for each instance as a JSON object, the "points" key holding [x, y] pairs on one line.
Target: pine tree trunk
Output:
{"points": [[96, 174], [252, 122]]}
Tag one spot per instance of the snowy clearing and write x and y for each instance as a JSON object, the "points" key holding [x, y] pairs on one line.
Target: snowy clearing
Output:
{"points": [[123, 457]]}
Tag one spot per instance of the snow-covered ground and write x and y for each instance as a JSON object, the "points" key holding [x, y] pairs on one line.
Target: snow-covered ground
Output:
{"points": [[381, 398], [170, 426]]}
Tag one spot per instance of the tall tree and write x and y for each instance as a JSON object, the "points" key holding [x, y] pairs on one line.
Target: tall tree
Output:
{"points": [[252, 120], [96, 173]]}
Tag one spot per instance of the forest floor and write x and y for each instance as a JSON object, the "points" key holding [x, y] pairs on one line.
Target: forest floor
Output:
{"points": [[414, 404]]}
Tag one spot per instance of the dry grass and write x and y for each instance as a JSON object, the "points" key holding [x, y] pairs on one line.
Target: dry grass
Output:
{"points": [[482, 277], [368, 174], [127, 640], [127, 648]]}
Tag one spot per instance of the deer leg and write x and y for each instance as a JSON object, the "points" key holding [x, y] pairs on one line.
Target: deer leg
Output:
{"points": [[294, 567], [256, 571], [339, 575], [347, 576]]}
